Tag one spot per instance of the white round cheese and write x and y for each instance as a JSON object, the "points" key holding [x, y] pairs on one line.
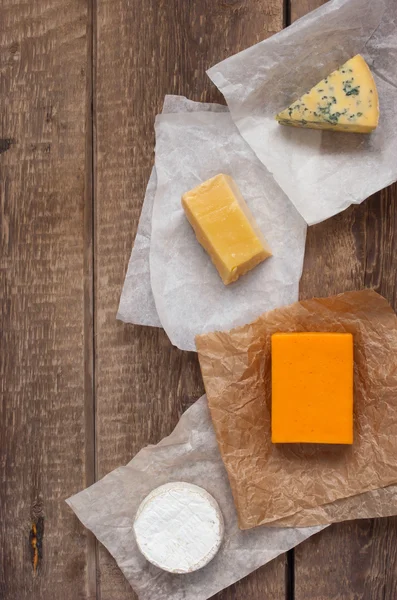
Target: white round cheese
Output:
{"points": [[179, 527]]}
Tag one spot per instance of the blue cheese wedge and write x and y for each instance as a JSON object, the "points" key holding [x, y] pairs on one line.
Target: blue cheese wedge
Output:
{"points": [[346, 100], [179, 527]]}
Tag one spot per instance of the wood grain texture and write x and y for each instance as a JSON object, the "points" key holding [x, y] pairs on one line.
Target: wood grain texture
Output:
{"points": [[354, 250], [146, 49], [299, 8], [43, 102]]}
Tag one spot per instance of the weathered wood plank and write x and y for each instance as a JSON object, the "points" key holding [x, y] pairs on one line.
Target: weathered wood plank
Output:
{"points": [[299, 8], [44, 78], [353, 250], [146, 49]]}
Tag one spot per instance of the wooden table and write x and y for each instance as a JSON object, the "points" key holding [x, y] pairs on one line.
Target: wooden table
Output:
{"points": [[80, 84]]}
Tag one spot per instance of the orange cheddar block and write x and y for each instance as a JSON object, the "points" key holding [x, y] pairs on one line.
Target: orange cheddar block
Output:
{"points": [[312, 388]]}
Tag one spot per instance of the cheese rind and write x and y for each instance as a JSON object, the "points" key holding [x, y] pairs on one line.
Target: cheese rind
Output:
{"points": [[346, 100], [312, 388], [225, 227], [179, 527]]}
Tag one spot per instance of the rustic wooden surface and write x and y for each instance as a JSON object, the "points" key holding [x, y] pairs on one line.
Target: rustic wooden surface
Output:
{"points": [[80, 84], [354, 250], [46, 406], [144, 51]]}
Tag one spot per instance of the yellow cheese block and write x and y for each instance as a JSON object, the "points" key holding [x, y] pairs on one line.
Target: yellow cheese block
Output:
{"points": [[225, 227], [312, 388], [346, 100]]}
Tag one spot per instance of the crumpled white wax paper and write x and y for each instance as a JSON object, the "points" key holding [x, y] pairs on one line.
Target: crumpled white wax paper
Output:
{"points": [[136, 302], [321, 172], [189, 454], [189, 294]]}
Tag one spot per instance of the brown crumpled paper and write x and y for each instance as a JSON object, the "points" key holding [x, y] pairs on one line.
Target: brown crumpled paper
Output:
{"points": [[290, 484]]}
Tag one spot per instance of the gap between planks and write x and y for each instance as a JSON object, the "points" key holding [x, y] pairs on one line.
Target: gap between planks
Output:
{"points": [[290, 558], [93, 589]]}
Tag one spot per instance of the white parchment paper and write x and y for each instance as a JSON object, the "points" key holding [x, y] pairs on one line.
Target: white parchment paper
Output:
{"points": [[136, 302], [321, 172], [189, 454], [189, 294]]}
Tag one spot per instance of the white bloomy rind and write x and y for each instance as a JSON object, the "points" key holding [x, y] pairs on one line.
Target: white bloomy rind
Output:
{"points": [[179, 527]]}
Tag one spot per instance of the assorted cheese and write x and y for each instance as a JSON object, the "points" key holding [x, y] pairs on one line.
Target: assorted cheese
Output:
{"points": [[312, 388], [225, 227], [346, 100], [179, 527]]}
